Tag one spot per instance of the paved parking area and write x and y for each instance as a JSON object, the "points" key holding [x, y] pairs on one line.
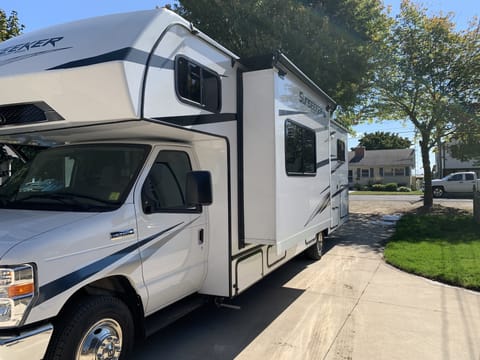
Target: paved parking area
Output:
{"points": [[348, 305]]}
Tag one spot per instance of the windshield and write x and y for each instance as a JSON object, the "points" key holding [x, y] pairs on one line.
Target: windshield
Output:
{"points": [[89, 177]]}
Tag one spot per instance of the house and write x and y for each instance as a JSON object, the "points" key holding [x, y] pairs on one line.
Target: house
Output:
{"points": [[446, 164], [368, 167]]}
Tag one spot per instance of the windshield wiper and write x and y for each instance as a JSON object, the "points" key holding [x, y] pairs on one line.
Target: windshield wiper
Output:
{"points": [[72, 196], [68, 199]]}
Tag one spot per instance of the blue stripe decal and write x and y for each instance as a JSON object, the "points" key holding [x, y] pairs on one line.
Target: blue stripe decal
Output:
{"points": [[28, 56], [290, 112], [321, 206], [59, 285], [323, 163], [202, 119], [342, 188], [337, 166], [125, 54]]}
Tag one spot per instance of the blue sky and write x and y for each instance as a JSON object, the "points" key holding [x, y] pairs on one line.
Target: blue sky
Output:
{"points": [[37, 14]]}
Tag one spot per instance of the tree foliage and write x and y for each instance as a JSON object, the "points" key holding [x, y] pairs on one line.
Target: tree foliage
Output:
{"points": [[424, 74], [330, 40], [9, 25], [380, 140]]}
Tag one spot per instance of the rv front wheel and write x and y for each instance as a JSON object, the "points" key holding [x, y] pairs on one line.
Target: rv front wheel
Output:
{"points": [[101, 327], [315, 251]]}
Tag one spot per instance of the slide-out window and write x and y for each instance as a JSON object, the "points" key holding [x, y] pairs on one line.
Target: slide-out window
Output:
{"points": [[340, 150], [300, 150]]}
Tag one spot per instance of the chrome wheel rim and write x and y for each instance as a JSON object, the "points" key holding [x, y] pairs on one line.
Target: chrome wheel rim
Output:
{"points": [[103, 341], [437, 192]]}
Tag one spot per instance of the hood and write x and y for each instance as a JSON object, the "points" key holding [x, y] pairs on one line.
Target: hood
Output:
{"points": [[20, 225]]}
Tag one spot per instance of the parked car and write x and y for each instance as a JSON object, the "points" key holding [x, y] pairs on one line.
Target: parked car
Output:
{"points": [[456, 183]]}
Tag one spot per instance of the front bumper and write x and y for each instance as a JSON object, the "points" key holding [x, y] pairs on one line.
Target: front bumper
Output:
{"points": [[29, 345]]}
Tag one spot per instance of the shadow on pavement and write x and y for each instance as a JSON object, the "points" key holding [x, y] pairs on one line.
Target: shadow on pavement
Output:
{"points": [[213, 332], [364, 230]]}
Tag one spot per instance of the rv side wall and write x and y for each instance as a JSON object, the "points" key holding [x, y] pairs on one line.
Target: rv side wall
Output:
{"points": [[286, 190]]}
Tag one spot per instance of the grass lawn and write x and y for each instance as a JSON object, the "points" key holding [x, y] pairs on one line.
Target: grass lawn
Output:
{"points": [[386, 193], [440, 247]]}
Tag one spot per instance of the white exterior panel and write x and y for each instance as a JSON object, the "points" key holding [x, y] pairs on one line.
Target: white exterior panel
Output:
{"points": [[259, 143], [281, 209]]}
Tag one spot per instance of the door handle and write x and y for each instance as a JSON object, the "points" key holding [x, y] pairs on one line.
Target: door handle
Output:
{"points": [[201, 237]]}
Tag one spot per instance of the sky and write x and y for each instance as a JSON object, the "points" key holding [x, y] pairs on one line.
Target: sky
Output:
{"points": [[38, 14]]}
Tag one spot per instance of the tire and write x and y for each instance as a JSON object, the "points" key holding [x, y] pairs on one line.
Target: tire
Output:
{"points": [[100, 327], [438, 191], [315, 251]]}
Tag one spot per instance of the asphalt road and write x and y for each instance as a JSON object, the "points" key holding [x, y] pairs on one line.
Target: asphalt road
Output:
{"points": [[410, 198]]}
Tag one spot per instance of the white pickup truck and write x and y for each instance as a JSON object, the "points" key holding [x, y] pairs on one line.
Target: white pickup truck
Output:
{"points": [[456, 183]]}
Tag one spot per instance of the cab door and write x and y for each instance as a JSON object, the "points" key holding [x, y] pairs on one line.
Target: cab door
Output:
{"points": [[172, 233], [457, 184]]}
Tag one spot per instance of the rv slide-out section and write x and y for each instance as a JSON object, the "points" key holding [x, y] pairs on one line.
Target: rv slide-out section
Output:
{"points": [[162, 169]]}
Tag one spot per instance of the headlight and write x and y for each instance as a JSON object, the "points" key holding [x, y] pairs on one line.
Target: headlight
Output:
{"points": [[17, 289]]}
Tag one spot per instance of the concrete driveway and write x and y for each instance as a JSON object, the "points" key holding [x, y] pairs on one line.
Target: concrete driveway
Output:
{"points": [[348, 305]]}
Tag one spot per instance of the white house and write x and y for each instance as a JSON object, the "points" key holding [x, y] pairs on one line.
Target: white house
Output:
{"points": [[446, 164], [366, 167]]}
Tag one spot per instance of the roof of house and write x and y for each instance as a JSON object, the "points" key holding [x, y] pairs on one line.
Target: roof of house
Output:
{"points": [[395, 157]]}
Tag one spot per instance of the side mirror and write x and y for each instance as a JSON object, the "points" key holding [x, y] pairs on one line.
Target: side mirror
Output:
{"points": [[199, 188]]}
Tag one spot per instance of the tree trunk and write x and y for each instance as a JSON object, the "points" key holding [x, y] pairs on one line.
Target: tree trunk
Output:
{"points": [[476, 206], [427, 175]]}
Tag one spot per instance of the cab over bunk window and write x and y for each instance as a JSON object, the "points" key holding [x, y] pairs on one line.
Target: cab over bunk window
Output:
{"points": [[197, 85], [300, 150]]}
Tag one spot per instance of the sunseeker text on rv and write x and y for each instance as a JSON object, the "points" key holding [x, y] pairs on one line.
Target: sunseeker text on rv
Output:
{"points": [[316, 109]]}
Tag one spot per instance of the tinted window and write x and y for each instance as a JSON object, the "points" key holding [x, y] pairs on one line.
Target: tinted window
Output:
{"points": [[469, 177], [90, 177], [197, 85], [300, 149], [164, 187], [340, 150]]}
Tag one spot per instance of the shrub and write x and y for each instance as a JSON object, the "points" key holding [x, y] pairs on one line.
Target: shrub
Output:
{"points": [[391, 187], [378, 187], [357, 186], [404, 189]]}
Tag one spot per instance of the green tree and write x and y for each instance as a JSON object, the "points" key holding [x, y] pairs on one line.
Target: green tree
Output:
{"points": [[380, 140], [330, 40], [466, 138], [9, 25], [422, 67]]}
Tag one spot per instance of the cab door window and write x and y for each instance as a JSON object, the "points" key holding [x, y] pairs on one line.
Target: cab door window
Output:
{"points": [[165, 186]]}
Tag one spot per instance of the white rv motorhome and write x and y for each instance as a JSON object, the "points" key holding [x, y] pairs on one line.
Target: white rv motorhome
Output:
{"points": [[171, 170]]}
